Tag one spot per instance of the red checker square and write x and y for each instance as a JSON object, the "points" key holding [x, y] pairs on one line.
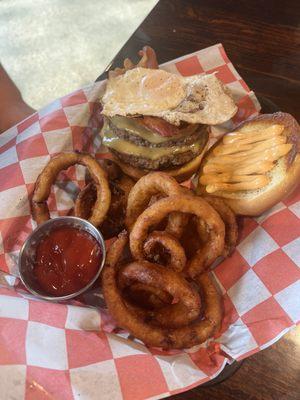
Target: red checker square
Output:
{"points": [[244, 84], [52, 201], [95, 345], [248, 354], [66, 175], [231, 270], [13, 336], [230, 314], [48, 313], [140, 377], [75, 98], [266, 320], [3, 264], [245, 109], [30, 189], [9, 292], [77, 136], [283, 226], [223, 73], [55, 120], [27, 122], [11, 176], [14, 232], [246, 226], [44, 383], [8, 145], [223, 54], [190, 66], [207, 361], [277, 271], [32, 147], [292, 198]]}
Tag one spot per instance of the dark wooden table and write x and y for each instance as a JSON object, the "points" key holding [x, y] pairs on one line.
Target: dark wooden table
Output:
{"points": [[262, 39]]}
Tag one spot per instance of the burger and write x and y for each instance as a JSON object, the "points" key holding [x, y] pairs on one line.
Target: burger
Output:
{"points": [[156, 120]]}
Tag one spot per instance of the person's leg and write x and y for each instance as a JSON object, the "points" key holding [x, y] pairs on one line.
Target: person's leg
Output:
{"points": [[13, 109]]}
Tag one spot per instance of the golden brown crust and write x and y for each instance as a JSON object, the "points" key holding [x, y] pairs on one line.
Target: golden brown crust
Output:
{"points": [[265, 199]]}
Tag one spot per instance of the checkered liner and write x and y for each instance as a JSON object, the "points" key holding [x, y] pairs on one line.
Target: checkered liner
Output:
{"points": [[68, 351]]}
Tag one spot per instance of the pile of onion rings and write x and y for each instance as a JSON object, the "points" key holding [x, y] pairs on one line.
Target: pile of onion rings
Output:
{"points": [[153, 285], [102, 201]]}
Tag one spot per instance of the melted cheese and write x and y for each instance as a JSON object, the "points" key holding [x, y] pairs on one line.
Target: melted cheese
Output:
{"points": [[152, 153]]}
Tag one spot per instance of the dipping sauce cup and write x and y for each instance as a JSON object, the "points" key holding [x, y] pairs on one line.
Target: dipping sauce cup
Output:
{"points": [[62, 258]]}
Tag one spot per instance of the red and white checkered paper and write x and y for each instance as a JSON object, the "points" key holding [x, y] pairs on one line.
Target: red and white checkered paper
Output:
{"points": [[71, 350]]}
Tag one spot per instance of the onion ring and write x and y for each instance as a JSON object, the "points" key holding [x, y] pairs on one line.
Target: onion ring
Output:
{"points": [[147, 296], [229, 219], [186, 310], [177, 338], [48, 176], [170, 244], [186, 204], [142, 192]]}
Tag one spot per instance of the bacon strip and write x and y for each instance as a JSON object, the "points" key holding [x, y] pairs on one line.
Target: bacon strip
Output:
{"points": [[148, 60], [159, 125]]}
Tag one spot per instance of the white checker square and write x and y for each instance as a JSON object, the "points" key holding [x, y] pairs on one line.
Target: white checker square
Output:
{"points": [[179, 371], [289, 299], [55, 105], [58, 140], [12, 259], [96, 381], [8, 135], [80, 172], [170, 68], [32, 167], [292, 249], [9, 157], [78, 115], [14, 202], [278, 207], [32, 130], [46, 346], [233, 70], [122, 347], [83, 318], [7, 280], [248, 292], [256, 246], [237, 90], [64, 197], [13, 380], [295, 208], [160, 396], [94, 91], [13, 307], [237, 340], [211, 58]]}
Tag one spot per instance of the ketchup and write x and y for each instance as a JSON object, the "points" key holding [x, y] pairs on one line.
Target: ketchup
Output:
{"points": [[66, 260]]}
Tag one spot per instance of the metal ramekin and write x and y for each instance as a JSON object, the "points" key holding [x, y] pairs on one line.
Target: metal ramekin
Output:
{"points": [[27, 254]]}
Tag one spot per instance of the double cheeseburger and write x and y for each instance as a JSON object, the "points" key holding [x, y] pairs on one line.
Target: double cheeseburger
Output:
{"points": [[156, 120]]}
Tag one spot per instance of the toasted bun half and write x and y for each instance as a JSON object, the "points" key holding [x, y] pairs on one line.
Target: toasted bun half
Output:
{"points": [[181, 173], [284, 177]]}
